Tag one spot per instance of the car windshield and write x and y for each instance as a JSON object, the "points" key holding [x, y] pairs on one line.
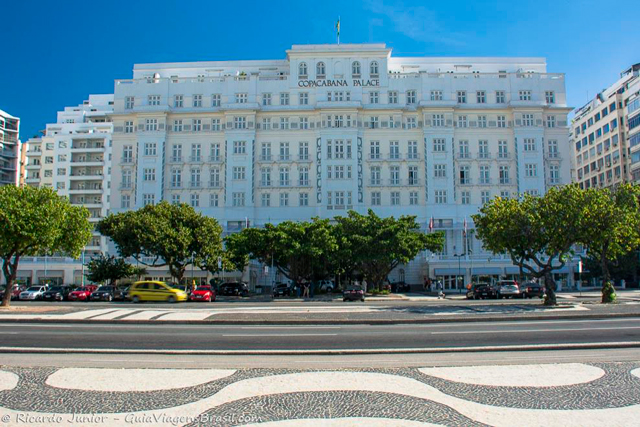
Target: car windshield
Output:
{"points": [[55, 289], [354, 288], [203, 288], [104, 289], [34, 289]]}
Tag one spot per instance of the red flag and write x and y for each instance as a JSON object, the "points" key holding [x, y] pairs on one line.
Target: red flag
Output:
{"points": [[431, 225]]}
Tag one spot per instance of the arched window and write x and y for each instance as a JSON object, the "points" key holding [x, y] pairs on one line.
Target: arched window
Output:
{"points": [[320, 70], [302, 70], [373, 69], [355, 69]]}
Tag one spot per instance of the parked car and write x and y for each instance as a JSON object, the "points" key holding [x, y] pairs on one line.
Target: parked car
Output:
{"points": [[234, 289], [15, 293], [81, 294], [326, 286], [103, 293], [397, 287], [282, 289], [33, 293], [151, 290], [203, 293], [57, 293], [481, 291], [120, 294], [508, 289], [532, 289], [353, 293]]}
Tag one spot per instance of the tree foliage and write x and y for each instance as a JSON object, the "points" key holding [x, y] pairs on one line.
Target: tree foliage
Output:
{"points": [[37, 221], [168, 234], [538, 233], [109, 269], [375, 246]]}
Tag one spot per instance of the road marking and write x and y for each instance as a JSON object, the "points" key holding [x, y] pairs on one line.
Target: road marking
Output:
{"points": [[291, 327], [498, 331], [280, 335]]}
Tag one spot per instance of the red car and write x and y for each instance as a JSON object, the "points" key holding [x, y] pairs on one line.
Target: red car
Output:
{"points": [[15, 294], [203, 293], [82, 294]]}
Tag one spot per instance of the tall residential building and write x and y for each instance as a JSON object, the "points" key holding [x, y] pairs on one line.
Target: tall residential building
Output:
{"points": [[632, 112], [600, 133], [338, 127], [73, 157], [9, 149]]}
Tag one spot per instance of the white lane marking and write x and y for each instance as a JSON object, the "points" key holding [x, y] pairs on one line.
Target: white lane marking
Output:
{"points": [[495, 331], [112, 315], [82, 314], [280, 335], [518, 322], [145, 315], [291, 327]]}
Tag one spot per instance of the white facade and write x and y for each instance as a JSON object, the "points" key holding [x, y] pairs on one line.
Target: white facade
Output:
{"points": [[9, 149], [74, 158], [338, 127]]}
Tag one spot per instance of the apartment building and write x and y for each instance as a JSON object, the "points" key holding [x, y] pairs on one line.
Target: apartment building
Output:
{"points": [[10, 149]]}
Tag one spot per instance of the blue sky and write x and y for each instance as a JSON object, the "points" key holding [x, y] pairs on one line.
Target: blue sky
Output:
{"points": [[57, 53]]}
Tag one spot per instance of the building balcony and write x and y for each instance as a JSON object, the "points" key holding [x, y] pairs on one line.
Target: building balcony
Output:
{"points": [[85, 191], [486, 181], [88, 176], [285, 158], [304, 158], [265, 158], [126, 186], [127, 161], [265, 184], [215, 159], [176, 159], [465, 181], [87, 149], [504, 156], [215, 184], [195, 184], [484, 156], [196, 159], [463, 155]]}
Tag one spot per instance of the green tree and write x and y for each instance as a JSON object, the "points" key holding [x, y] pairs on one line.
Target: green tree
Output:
{"points": [[377, 245], [170, 235], [613, 227], [110, 269], [299, 250], [37, 221], [537, 233]]}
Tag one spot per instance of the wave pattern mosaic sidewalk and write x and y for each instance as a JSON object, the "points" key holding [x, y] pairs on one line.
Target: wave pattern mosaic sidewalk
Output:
{"points": [[572, 394]]}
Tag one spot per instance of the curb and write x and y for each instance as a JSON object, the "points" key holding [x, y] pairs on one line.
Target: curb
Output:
{"points": [[531, 347], [436, 319]]}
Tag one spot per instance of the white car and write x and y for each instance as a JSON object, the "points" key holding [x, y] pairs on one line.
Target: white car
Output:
{"points": [[326, 285], [33, 293]]}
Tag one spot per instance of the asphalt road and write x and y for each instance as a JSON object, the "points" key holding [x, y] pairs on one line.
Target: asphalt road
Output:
{"points": [[312, 337]]}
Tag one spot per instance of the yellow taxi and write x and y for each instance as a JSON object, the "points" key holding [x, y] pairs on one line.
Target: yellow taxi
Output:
{"points": [[151, 290]]}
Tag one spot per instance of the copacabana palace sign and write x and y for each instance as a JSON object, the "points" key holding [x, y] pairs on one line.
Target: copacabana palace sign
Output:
{"points": [[339, 83]]}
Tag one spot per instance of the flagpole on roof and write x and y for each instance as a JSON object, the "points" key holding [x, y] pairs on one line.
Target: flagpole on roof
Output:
{"points": [[338, 29]]}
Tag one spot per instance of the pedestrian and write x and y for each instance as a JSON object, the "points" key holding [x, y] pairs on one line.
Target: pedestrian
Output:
{"points": [[440, 290], [306, 290]]}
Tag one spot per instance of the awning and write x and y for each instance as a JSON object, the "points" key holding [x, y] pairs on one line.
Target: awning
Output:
{"points": [[487, 270], [516, 270], [449, 271]]}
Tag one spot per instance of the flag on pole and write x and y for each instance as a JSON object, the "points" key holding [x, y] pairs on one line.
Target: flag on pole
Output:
{"points": [[464, 227], [431, 225], [338, 29]]}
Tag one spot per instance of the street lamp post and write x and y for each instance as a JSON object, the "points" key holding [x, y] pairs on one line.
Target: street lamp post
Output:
{"points": [[459, 268]]}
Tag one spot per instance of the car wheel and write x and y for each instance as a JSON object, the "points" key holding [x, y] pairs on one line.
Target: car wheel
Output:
{"points": [[171, 299], [344, 300], [135, 299], [362, 300]]}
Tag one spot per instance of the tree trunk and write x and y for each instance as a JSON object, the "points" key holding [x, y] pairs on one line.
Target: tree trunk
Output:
{"points": [[10, 272], [550, 286]]}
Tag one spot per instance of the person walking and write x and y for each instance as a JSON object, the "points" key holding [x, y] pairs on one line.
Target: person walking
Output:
{"points": [[440, 290], [305, 293]]}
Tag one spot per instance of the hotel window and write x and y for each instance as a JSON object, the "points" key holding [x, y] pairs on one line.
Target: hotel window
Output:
{"points": [[284, 199], [374, 172], [150, 149], [148, 199], [462, 121], [504, 174], [213, 200], [413, 198], [303, 176], [329, 174], [214, 177], [153, 100], [177, 126], [436, 95], [238, 199], [554, 174], [375, 198], [239, 147], [302, 70], [284, 98], [126, 179], [239, 122], [303, 98], [411, 97], [284, 151], [553, 148], [504, 194], [216, 126], [440, 171], [284, 123], [303, 199], [197, 101], [483, 149], [320, 70], [375, 150], [464, 149], [176, 153], [151, 125], [265, 200], [438, 120], [48, 160], [439, 145], [303, 151], [373, 69], [215, 100], [394, 172], [196, 151], [48, 173], [266, 123], [484, 197], [176, 178], [195, 200], [393, 97], [524, 95], [481, 97], [502, 150], [355, 70], [374, 97], [195, 178], [502, 121], [339, 172], [465, 198], [394, 150], [125, 201], [129, 102], [550, 97], [62, 171], [266, 99], [265, 177], [527, 120], [441, 197], [412, 150], [373, 122], [178, 101], [531, 170], [148, 174], [500, 97], [128, 127], [265, 151], [63, 157], [551, 121], [239, 173], [242, 98], [529, 144], [482, 121], [304, 123], [197, 125], [462, 97], [465, 176], [395, 198]]}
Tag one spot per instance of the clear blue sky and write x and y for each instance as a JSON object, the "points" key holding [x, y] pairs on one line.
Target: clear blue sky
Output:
{"points": [[57, 53]]}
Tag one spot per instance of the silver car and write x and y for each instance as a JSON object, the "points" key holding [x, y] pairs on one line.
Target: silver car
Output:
{"points": [[33, 293], [508, 289]]}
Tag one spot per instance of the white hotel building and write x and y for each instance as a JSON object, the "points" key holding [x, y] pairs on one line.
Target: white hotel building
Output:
{"points": [[338, 127]]}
